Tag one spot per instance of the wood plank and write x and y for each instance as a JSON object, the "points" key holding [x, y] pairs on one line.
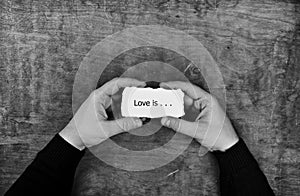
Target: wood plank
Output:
{"points": [[255, 43]]}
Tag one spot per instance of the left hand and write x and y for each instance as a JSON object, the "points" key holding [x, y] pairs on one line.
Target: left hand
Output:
{"points": [[89, 126]]}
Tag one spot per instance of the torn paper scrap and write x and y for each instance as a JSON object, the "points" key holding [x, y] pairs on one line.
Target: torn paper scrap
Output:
{"points": [[152, 103]]}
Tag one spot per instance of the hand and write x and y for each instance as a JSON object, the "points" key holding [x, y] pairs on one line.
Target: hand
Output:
{"points": [[89, 126], [212, 128]]}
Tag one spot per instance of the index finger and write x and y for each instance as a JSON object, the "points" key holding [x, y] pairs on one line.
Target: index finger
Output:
{"points": [[114, 85], [190, 89]]}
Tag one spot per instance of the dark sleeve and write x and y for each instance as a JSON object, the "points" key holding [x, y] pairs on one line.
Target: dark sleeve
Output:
{"points": [[51, 172], [240, 174]]}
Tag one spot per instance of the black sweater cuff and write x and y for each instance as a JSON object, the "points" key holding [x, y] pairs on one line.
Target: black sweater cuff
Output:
{"points": [[60, 154], [235, 158]]}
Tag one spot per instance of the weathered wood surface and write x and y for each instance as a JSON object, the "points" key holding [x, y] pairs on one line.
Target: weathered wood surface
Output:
{"points": [[255, 43]]}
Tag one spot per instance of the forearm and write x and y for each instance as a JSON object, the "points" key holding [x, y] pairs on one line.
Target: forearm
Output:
{"points": [[51, 172], [240, 173]]}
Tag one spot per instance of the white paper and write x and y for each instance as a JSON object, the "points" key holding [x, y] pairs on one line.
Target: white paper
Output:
{"points": [[152, 103]]}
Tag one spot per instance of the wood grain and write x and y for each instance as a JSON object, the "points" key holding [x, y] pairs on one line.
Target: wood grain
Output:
{"points": [[255, 43]]}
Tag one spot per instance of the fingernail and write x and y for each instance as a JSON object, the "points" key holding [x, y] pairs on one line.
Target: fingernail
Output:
{"points": [[168, 123], [138, 122], [163, 121], [143, 83]]}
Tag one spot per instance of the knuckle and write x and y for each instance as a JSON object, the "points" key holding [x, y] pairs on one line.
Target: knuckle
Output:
{"points": [[128, 124], [125, 125], [114, 80], [175, 124]]}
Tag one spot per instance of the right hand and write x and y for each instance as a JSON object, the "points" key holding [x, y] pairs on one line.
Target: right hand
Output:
{"points": [[212, 128]]}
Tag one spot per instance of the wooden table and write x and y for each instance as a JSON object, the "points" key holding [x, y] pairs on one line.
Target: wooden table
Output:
{"points": [[254, 43]]}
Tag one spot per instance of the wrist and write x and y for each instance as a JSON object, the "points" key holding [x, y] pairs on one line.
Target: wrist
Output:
{"points": [[229, 144], [70, 134], [235, 158], [229, 137]]}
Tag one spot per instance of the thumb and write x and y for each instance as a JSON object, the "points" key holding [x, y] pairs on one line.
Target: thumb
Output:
{"points": [[117, 126], [180, 125]]}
